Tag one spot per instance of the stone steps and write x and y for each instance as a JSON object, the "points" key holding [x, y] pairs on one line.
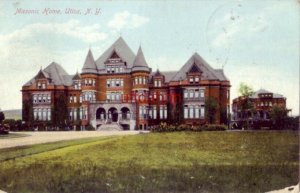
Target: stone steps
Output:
{"points": [[110, 127]]}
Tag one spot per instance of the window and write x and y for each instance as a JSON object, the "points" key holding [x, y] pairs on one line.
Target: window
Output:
{"points": [[44, 98], [201, 93], [75, 99], [40, 99], [165, 112], [270, 103], [191, 94], [117, 83], [140, 80], [202, 111], [155, 83], [161, 112], [43, 86], [197, 79], [191, 79], [108, 83], [80, 99], [186, 112], [122, 82], [144, 80], [196, 112], [108, 69], [159, 83], [49, 115], [34, 99], [196, 93], [185, 94], [191, 112], [154, 112], [112, 83], [136, 80]]}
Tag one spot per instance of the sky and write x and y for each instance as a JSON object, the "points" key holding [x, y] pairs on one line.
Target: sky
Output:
{"points": [[255, 42]]}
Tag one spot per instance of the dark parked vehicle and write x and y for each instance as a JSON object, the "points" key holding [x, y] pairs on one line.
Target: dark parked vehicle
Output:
{"points": [[4, 130]]}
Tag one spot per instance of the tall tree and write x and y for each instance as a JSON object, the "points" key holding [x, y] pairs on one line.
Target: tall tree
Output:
{"points": [[2, 116], [279, 117], [211, 107], [246, 105]]}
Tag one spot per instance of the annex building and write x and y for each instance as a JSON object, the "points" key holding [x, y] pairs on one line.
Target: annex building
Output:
{"points": [[119, 90]]}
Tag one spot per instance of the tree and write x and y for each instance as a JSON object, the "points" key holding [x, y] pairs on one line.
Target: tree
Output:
{"points": [[246, 104], [211, 107], [279, 117], [2, 116]]}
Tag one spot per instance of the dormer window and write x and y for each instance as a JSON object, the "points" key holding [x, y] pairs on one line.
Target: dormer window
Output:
{"points": [[191, 80], [196, 79]]}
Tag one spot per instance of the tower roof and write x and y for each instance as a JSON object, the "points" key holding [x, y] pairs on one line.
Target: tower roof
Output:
{"points": [[140, 59], [140, 63], [89, 64]]}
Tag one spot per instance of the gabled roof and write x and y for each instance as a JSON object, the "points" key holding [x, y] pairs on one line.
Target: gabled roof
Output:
{"points": [[194, 69], [89, 64], [41, 75], [157, 73], [167, 74], [76, 76], [123, 51], [56, 74], [263, 91], [208, 73]]}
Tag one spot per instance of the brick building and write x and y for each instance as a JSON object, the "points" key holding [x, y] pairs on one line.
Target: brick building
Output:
{"points": [[262, 102], [119, 90]]}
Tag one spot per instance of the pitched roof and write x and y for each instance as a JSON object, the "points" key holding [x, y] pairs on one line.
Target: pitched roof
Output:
{"points": [[56, 74], [76, 76], [140, 59], [167, 74], [208, 73], [89, 64], [263, 91], [121, 49], [157, 73]]}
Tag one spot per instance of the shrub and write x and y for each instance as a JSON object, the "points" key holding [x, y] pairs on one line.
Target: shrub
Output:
{"points": [[90, 128], [214, 127], [164, 127]]}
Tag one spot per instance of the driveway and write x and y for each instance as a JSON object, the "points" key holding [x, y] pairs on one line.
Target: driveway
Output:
{"points": [[46, 137]]}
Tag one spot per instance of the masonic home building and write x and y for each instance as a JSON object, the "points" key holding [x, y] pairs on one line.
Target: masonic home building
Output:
{"points": [[119, 90]]}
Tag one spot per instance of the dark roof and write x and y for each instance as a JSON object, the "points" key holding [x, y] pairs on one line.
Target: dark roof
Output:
{"points": [[121, 49], [208, 73], [167, 74], [76, 76], [157, 73], [263, 91], [56, 74], [89, 64]]}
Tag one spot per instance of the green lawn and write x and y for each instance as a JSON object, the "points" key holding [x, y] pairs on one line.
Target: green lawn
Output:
{"points": [[156, 162]]}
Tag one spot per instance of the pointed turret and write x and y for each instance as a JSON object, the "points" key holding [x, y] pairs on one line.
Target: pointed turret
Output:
{"points": [[140, 63], [89, 64]]}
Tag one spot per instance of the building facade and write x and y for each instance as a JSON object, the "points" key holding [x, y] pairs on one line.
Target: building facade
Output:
{"points": [[262, 102], [120, 91]]}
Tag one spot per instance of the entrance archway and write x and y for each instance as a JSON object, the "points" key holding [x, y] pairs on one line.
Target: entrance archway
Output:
{"points": [[113, 114], [100, 114], [125, 113]]}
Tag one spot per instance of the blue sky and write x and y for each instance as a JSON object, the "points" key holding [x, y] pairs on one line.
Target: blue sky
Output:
{"points": [[255, 42]]}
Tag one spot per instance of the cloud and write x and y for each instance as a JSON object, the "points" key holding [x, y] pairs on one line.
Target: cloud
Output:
{"points": [[71, 28], [125, 19]]}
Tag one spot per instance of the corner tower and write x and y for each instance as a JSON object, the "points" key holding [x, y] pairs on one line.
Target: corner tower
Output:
{"points": [[140, 88]]}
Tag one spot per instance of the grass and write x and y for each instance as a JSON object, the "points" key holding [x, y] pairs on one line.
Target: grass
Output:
{"points": [[13, 135], [157, 162]]}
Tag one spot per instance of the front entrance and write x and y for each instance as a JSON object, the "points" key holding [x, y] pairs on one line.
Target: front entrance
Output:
{"points": [[113, 114]]}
